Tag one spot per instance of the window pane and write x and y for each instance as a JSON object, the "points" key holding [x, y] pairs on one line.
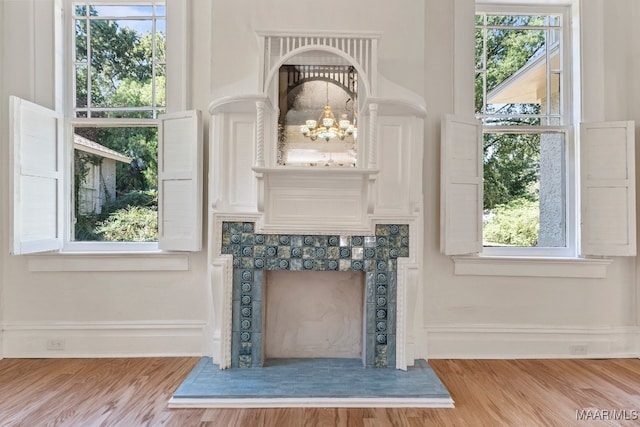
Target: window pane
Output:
{"points": [[479, 91], [81, 40], [508, 51], [554, 83], [81, 86], [123, 10], [524, 190], [161, 26], [160, 87], [479, 50], [125, 55], [115, 184], [522, 70], [516, 20], [80, 10]]}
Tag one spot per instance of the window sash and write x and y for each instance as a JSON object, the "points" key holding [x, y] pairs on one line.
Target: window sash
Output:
{"points": [[563, 41], [155, 108]]}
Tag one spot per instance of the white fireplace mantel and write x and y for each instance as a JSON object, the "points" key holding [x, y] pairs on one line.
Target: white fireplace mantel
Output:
{"points": [[315, 200], [247, 184]]}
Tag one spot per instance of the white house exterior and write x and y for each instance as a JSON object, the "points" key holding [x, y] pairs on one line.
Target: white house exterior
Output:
{"points": [[100, 182]]}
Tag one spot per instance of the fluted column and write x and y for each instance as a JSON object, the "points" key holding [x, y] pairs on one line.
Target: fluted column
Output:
{"points": [[373, 136], [260, 134]]}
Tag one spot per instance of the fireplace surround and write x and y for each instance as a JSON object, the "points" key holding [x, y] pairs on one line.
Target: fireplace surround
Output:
{"points": [[375, 255], [265, 216]]}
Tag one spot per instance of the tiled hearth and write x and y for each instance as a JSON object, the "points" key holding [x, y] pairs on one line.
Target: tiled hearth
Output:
{"points": [[376, 256]]}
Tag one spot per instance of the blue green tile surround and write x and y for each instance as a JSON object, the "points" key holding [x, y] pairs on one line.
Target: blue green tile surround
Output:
{"points": [[376, 256]]}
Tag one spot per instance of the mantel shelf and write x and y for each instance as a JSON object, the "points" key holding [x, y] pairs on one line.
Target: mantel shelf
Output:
{"points": [[316, 170]]}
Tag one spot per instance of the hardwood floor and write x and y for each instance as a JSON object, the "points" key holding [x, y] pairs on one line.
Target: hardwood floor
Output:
{"points": [[134, 392]]}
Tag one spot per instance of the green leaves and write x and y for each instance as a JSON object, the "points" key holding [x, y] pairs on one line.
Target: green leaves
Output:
{"points": [[511, 167], [132, 224], [515, 223]]}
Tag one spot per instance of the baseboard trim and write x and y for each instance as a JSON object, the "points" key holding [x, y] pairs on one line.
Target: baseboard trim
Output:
{"points": [[103, 339], [531, 342]]}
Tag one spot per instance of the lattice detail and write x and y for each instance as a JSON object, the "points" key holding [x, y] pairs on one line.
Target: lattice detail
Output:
{"points": [[360, 48]]}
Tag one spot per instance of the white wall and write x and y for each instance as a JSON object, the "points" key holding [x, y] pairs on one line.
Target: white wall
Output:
{"points": [[3, 179], [96, 313], [138, 313], [475, 316]]}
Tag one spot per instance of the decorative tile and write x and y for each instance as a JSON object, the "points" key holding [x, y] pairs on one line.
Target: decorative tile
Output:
{"points": [[381, 230], [345, 265], [369, 253], [345, 252], [284, 240], [260, 251], [321, 241], [381, 356], [253, 253], [245, 349], [244, 361], [295, 264], [333, 252], [283, 264], [284, 252], [272, 239]]}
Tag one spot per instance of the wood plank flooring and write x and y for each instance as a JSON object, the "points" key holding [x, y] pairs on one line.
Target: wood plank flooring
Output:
{"points": [[134, 392]]}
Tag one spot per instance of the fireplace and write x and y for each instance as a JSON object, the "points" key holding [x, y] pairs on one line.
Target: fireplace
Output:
{"points": [[256, 254], [364, 216], [313, 314]]}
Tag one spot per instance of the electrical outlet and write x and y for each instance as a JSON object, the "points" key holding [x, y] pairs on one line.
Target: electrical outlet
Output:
{"points": [[55, 344], [578, 349]]}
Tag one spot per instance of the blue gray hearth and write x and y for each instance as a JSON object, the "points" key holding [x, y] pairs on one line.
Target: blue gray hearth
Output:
{"points": [[375, 255]]}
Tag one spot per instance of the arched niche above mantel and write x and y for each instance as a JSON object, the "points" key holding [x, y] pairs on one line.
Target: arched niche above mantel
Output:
{"points": [[386, 175]]}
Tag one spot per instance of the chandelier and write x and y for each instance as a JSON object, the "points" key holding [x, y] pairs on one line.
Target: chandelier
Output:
{"points": [[327, 127]]}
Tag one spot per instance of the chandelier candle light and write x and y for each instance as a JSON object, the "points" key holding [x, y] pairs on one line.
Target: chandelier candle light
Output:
{"points": [[329, 127]]}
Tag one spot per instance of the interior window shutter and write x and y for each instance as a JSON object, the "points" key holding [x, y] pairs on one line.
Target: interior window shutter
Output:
{"points": [[180, 182], [36, 160], [607, 162], [461, 186]]}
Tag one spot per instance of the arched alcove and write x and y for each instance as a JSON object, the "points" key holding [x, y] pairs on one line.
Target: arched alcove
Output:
{"points": [[307, 95]]}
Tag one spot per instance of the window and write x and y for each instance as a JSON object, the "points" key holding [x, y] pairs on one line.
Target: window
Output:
{"points": [[513, 184], [134, 171], [118, 73], [521, 99]]}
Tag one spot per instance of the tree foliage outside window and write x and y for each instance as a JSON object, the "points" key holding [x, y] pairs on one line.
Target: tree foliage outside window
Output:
{"points": [[119, 73]]}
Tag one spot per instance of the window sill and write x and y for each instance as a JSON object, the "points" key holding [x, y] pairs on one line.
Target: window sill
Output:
{"points": [[108, 261], [531, 266]]}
